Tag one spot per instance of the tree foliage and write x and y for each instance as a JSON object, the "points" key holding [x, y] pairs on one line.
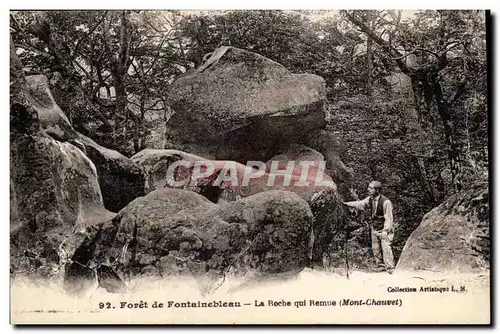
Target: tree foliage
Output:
{"points": [[433, 49], [112, 67]]}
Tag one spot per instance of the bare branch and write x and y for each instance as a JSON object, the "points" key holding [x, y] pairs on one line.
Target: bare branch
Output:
{"points": [[156, 58], [152, 107], [453, 44], [418, 49], [102, 81], [87, 74], [166, 19], [32, 48], [14, 20], [390, 50], [141, 79], [91, 31], [383, 32], [107, 38]]}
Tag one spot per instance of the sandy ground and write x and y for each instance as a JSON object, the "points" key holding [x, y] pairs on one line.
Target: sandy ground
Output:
{"points": [[312, 297]]}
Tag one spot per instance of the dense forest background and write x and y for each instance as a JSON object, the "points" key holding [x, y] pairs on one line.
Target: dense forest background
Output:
{"points": [[408, 93]]}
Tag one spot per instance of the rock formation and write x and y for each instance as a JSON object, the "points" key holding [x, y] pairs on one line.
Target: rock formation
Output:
{"points": [[52, 119], [54, 192], [453, 237], [238, 106], [305, 181], [121, 180], [242, 106], [178, 232]]}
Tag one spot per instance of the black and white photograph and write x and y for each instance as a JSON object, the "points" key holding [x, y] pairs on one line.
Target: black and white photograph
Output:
{"points": [[250, 166]]}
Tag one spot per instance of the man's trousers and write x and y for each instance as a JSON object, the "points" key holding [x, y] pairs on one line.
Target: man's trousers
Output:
{"points": [[382, 250]]}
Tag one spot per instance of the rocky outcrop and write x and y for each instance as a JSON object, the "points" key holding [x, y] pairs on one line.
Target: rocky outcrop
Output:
{"points": [[324, 200], [121, 180], [178, 232], [54, 192], [331, 226], [453, 237], [242, 106], [238, 106], [52, 119]]}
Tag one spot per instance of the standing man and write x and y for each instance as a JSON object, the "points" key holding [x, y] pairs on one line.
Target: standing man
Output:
{"points": [[381, 224]]}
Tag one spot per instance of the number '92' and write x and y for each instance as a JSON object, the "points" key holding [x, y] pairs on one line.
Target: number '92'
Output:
{"points": [[105, 305]]}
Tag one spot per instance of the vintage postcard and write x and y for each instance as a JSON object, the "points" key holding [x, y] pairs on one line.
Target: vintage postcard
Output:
{"points": [[249, 167]]}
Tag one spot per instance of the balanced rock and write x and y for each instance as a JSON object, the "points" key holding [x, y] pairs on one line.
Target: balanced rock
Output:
{"points": [[227, 180], [242, 106]]}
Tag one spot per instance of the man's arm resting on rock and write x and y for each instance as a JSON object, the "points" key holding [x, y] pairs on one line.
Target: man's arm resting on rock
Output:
{"points": [[360, 205]]}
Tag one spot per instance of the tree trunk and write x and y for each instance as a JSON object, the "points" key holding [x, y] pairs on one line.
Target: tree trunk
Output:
{"points": [[430, 104], [119, 72], [456, 136], [369, 67], [369, 55], [426, 148], [121, 103]]}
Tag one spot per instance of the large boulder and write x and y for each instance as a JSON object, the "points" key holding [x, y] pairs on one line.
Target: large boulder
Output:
{"points": [[332, 227], [453, 237], [121, 180], [52, 119], [55, 196], [242, 106], [178, 232]]}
